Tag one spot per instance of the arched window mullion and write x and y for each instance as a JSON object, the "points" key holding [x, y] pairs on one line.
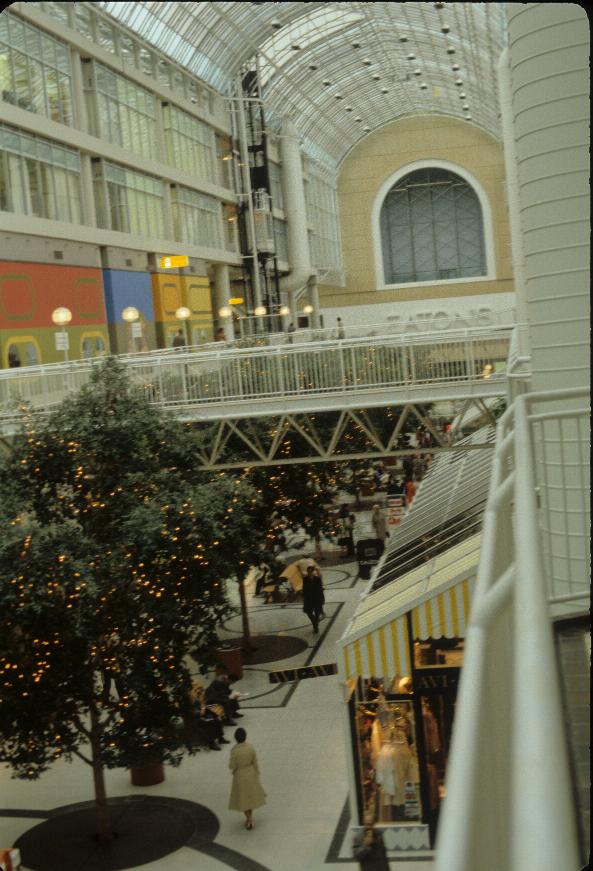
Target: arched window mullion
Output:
{"points": [[426, 248]]}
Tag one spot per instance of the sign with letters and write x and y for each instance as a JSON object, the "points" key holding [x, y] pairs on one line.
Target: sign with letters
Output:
{"points": [[174, 261]]}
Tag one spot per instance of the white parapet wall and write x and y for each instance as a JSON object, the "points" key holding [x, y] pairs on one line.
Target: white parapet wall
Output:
{"points": [[480, 310]]}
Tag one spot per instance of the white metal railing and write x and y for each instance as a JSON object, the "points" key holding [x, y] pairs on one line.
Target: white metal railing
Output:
{"points": [[185, 378], [509, 801]]}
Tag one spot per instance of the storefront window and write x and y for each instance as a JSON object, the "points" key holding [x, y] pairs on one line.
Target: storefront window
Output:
{"points": [[128, 201], [189, 143], [125, 113], [197, 218], [388, 758], [38, 177], [34, 70]]}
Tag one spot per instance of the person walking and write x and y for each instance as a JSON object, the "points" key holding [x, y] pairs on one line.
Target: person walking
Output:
{"points": [[313, 597], [290, 330], [247, 793], [379, 525], [178, 340], [351, 525], [341, 329]]}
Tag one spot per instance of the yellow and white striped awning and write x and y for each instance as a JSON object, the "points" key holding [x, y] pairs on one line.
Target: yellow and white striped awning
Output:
{"points": [[438, 596]]}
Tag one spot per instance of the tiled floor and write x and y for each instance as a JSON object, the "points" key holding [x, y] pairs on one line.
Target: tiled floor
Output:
{"points": [[297, 731]]}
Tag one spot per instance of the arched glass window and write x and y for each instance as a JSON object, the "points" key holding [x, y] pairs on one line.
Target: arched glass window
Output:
{"points": [[432, 229]]}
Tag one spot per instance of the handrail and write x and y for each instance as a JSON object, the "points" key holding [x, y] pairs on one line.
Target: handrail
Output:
{"points": [[509, 800], [184, 378]]}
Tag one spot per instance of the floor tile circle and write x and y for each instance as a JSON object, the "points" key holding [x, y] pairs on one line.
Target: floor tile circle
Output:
{"points": [[148, 829]]}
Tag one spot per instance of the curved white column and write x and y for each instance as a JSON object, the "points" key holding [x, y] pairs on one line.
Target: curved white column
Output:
{"points": [[295, 209], [549, 69]]}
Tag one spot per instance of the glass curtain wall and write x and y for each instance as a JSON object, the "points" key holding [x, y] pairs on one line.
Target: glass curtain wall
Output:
{"points": [[121, 111], [189, 143], [197, 218], [275, 184], [39, 177], [322, 212], [432, 229], [281, 241], [128, 201], [35, 71]]}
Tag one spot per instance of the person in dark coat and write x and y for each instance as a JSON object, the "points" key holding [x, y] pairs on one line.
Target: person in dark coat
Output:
{"points": [[220, 693], [313, 597]]}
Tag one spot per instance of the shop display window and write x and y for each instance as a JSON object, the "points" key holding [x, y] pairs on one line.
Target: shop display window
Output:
{"points": [[388, 758], [445, 652]]}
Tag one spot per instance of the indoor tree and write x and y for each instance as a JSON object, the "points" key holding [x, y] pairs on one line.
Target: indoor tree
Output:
{"points": [[113, 557]]}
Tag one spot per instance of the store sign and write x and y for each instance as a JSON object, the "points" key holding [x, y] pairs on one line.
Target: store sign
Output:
{"points": [[174, 261], [395, 510], [441, 679], [62, 341], [236, 300], [483, 316], [291, 674], [137, 330]]}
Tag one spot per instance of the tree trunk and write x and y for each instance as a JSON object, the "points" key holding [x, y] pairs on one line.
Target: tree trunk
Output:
{"points": [[244, 615], [104, 829]]}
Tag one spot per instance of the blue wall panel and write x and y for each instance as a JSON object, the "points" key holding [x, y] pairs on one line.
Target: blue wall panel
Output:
{"points": [[124, 288]]}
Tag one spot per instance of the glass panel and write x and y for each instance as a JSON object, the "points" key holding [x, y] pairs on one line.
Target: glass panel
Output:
{"points": [[65, 98], [48, 47], [127, 49], [164, 73], [6, 89], [145, 59], [17, 191], [52, 93], [33, 187], [63, 58], [105, 36], [46, 191], [74, 199], [83, 20], [37, 87], [33, 42], [5, 201], [17, 32], [20, 72]]}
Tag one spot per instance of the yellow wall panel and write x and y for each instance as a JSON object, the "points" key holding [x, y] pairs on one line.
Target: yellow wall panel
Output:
{"points": [[371, 163], [166, 292]]}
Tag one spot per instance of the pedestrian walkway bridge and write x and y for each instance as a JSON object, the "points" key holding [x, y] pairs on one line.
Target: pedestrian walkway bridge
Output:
{"points": [[231, 383]]}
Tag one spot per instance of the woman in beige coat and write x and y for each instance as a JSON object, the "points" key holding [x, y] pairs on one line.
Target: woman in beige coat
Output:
{"points": [[246, 791]]}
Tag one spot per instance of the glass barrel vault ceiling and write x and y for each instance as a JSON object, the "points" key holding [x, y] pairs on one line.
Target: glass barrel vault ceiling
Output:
{"points": [[338, 70]]}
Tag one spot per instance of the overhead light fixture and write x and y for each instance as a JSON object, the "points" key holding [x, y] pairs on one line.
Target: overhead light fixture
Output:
{"points": [[295, 46], [466, 108], [384, 90], [417, 72], [308, 309], [284, 311], [357, 119], [348, 108], [455, 67], [326, 82], [468, 117], [376, 77], [438, 5], [458, 82], [260, 310], [338, 96], [355, 45], [450, 49], [367, 62], [367, 129], [403, 39], [445, 28], [276, 24], [313, 67], [411, 57], [462, 96], [225, 311], [424, 86]]}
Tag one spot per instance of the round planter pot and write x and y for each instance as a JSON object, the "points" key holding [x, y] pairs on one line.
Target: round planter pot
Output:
{"points": [[148, 774]]}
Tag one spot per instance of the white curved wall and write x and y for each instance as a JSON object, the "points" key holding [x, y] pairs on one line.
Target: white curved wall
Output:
{"points": [[549, 67]]}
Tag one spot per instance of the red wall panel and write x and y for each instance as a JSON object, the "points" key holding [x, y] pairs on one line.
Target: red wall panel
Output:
{"points": [[29, 292]]}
